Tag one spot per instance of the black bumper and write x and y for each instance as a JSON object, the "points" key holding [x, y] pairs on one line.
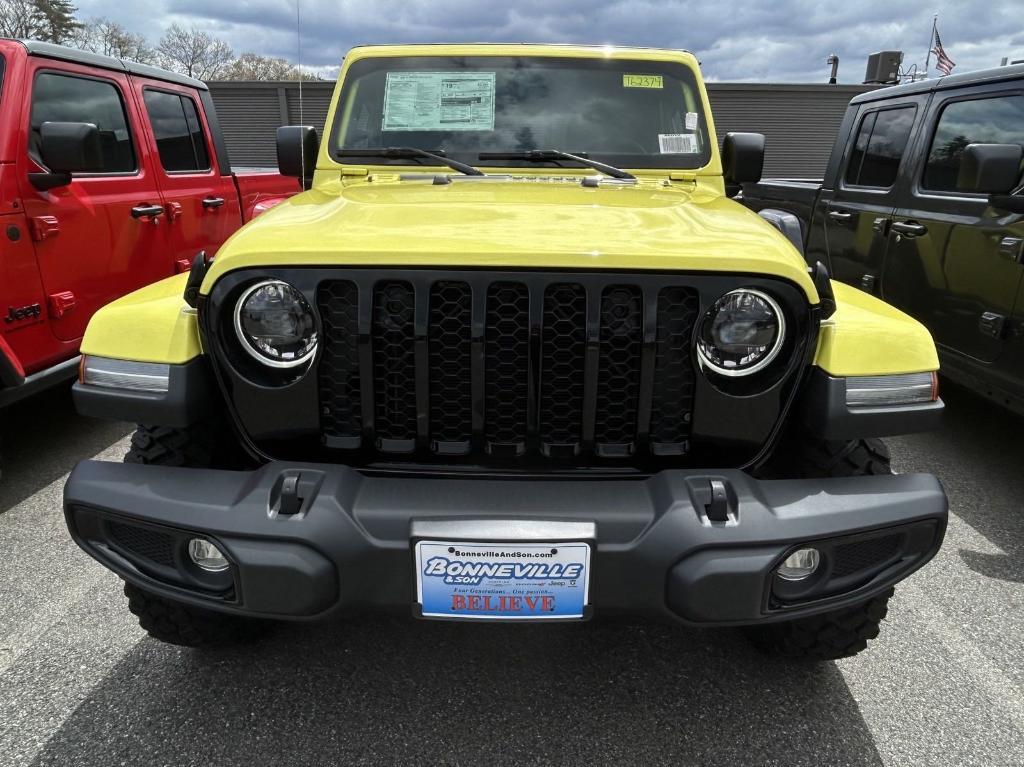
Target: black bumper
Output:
{"points": [[667, 546]]}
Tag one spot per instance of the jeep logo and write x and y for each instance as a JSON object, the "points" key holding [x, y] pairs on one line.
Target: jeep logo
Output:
{"points": [[14, 314]]}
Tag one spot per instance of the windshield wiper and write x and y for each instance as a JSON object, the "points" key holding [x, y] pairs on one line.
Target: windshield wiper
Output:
{"points": [[548, 155], [399, 152]]}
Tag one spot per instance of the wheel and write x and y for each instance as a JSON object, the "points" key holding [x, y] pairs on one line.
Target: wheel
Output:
{"points": [[202, 445], [187, 626], [829, 636], [856, 458], [209, 446], [800, 455], [840, 633]]}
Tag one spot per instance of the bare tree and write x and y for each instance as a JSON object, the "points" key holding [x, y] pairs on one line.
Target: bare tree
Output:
{"points": [[252, 66], [22, 19], [52, 21], [101, 35], [194, 52]]}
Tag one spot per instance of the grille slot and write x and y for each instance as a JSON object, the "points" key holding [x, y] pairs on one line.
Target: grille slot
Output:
{"points": [[469, 365], [144, 543], [618, 381], [563, 356], [394, 366], [340, 412], [506, 372], [451, 413], [854, 557], [674, 377]]}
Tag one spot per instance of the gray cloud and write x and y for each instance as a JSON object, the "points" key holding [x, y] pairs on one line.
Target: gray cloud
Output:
{"points": [[784, 41]]}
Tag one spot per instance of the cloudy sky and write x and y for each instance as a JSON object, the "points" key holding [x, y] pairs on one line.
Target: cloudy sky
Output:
{"points": [[780, 41]]}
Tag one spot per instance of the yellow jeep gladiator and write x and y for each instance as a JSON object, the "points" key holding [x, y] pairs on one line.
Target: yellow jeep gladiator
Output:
{"points": [[515, 355]]}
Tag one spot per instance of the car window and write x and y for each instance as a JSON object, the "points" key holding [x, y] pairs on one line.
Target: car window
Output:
{"points": [[178, 131], [66, 98], [634, 114], [998, 120], [881, 140]]}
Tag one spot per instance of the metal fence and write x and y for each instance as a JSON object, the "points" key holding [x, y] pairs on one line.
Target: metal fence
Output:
{"points": [[799, 121]]}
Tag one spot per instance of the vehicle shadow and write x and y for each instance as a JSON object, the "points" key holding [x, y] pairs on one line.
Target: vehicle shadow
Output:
{"points": [[42, 439], [977, 454], [385, 690]]}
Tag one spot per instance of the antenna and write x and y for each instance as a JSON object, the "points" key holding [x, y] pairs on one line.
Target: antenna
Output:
{"points": [[298, 65]]}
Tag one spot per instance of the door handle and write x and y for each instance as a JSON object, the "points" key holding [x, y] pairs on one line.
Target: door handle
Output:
{"points": [[839, 215], [147, 211], [212, 202], [908, 228]]}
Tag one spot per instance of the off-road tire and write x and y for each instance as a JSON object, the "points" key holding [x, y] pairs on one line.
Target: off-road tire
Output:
{"points": [[800, 455], [855, 458], [187, 626], [201, 446], [204, 445], [840, 633], [829, 636]]}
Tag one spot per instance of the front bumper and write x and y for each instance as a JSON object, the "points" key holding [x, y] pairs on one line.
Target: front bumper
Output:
{"points": [[697, 547]]}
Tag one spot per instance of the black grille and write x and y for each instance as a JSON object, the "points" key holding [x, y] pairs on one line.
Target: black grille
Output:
{"points": [[341, 413], [144, 542], [564, 354], [451, 414], [394, 365], [854, 557], [672, 406], [545, 366]]}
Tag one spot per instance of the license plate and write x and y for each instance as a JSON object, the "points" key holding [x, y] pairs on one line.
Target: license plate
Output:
{"points": [[502, 581]]}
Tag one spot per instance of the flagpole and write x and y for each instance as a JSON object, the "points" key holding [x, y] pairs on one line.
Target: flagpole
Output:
{"points": [[928, 58]]}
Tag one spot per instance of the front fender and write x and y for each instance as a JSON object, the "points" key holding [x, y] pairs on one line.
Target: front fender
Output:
{"points": [[867, 336], [153, 324]]}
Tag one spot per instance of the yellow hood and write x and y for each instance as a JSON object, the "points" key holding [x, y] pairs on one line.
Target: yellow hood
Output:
{"points": [[530, 222]]}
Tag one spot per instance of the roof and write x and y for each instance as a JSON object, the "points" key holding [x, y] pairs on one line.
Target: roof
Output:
{"points": [[1014, 72], [520, 49], [63, 53]]}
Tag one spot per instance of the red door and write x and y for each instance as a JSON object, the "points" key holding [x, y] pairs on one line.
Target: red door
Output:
{"points": [[201, 203], [90, 245]]}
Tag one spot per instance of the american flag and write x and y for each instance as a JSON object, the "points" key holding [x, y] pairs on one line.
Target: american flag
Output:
{"points": [[942, 62]]}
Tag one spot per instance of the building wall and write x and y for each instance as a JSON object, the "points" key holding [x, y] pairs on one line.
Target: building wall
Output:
{"points": [[799, 121]]}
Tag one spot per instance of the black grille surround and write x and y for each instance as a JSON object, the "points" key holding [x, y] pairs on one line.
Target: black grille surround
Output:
{"points": [[514, 370]]}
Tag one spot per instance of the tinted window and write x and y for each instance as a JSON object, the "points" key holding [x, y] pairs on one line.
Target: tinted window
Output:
{"points": [[179, 134], [875, 160], [981, 121], [634, 114], [63, 98]]}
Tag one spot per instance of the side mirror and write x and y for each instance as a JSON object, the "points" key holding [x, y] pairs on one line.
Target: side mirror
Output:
{"points": [[742, 158], [71, 147], [297, 147], [67, 148], [990, 168]]}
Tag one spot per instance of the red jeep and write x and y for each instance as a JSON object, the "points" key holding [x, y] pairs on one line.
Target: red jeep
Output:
{"points": [[112, 175]]}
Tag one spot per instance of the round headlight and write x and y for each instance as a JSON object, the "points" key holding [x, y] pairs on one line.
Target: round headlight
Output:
{"points": [[275, 324], [741, 333]]}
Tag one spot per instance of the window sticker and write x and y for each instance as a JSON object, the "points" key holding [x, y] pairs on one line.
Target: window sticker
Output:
{"points": [[677, 143], [691, 121], [642, 81], [439, 101]]}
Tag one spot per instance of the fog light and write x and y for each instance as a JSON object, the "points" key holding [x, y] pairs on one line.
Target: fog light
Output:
{"points": [[799, 565], [207, 556]]}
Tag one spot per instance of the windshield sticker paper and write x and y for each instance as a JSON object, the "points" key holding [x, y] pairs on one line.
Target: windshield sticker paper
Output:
{"points": [[439, 101], [677, 143], [642, 81], [691, 121], [488, 581]]}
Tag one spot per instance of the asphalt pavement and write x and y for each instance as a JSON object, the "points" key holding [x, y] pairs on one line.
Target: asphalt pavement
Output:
{"points": [[80, 683]]}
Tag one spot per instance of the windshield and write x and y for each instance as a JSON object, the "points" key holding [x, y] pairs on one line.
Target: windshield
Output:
{"points": [[631, 114]]}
